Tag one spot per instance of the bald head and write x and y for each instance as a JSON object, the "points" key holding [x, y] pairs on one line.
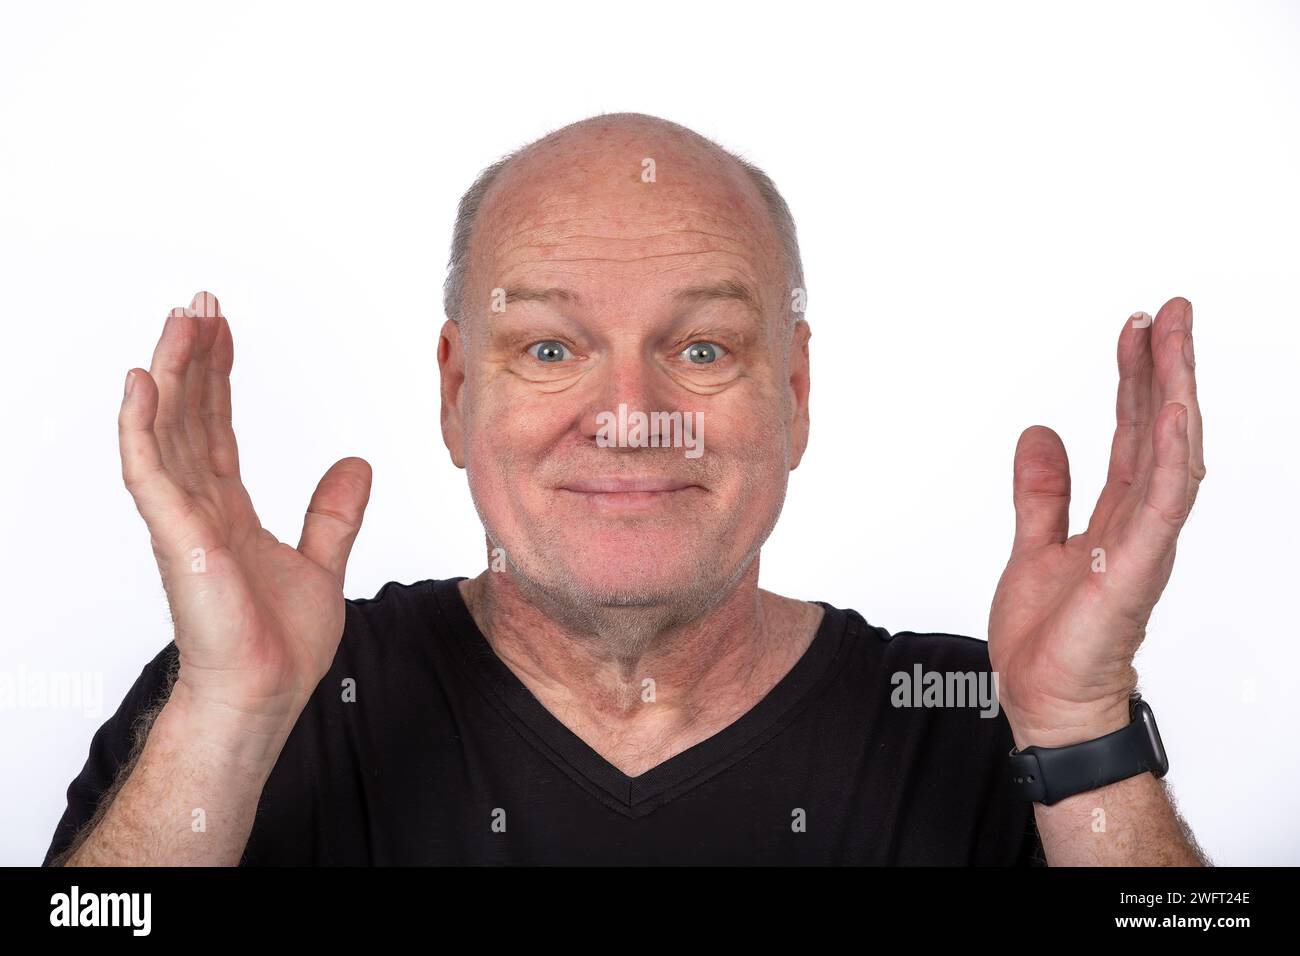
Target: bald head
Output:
{"points": [[619, 157]]}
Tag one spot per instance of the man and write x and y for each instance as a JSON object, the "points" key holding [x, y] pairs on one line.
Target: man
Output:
{"points": [[625, 378]]}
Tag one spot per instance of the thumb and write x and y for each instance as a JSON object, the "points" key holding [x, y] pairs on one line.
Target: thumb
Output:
{"points": [[334, 515], [1040, 489]]}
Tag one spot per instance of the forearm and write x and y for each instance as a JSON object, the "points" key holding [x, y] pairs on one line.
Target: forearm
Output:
{"points": [[1128, 823], [191, 795]]}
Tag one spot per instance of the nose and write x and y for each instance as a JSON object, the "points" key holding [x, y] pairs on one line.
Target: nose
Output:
{"points": [[628, 383]]}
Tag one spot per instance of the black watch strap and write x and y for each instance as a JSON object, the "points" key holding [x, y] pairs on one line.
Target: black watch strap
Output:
{"points": [[1047, 775]]}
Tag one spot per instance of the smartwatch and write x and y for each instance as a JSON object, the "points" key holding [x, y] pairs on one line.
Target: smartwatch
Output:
{"points": [[1047, 775]]}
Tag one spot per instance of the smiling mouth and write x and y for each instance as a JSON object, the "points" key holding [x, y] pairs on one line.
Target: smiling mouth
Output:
{"points": [[628, 493], [625, 484]]}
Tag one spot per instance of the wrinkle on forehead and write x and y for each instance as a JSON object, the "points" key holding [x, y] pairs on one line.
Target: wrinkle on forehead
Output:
{"points": [[630, 242]]}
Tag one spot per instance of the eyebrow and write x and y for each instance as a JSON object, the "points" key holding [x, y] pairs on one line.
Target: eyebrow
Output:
{"points": [[528, 294], [727, 289]]}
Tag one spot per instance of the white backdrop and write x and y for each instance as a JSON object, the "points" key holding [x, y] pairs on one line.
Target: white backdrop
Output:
{"points": [[983, 197]]}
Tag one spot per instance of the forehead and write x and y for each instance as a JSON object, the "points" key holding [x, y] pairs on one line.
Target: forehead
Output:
{"points": [[584, 208]]}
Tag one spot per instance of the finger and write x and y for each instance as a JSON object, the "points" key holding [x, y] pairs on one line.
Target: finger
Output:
{"points": [[1195, 436], [1152, 531], [1040, 489], [215, 413], [223, 451], [1175, 371], [205, 310], [1133, 398], [171, 358], [334, 515], [1132, 414], [1169, 321], [164, 505]]}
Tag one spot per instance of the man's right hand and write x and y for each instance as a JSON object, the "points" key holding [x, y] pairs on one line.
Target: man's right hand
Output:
{"points": [[257, 622]]}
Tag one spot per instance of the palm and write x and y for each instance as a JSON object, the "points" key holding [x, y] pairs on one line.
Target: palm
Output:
{"points": [[278, 608]]}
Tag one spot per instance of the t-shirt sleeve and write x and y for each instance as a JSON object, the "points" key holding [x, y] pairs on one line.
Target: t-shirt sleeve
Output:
{"points": [[1010, 813], [111, 747], [969, 751], [1010, 825]]}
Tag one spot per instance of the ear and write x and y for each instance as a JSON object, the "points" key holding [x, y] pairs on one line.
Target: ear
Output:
{"points": [[451, 363], [799, 384]]}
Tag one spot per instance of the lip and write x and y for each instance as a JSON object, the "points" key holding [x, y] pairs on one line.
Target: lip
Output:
{"points": [[621, 495], [626, 485]]}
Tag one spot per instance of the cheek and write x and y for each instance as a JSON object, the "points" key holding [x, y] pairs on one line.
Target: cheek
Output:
{"points": [[507, 437], [748, 428], [751, 441]]}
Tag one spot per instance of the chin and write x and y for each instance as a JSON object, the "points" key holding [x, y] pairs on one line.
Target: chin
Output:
{"points": [[620, 569], [606, 575], [616, 585]]}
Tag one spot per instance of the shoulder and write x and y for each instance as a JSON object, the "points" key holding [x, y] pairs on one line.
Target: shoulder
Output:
{"points": [[397, 605], [397, 594], [394, 627], [939, 648], [922, 676]]}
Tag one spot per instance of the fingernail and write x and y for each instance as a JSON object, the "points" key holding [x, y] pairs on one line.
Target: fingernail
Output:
{"points": [[1188, 353], [1189, 316], [204, 304], [130, 383]]}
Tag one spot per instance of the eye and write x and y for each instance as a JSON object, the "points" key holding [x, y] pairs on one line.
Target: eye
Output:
{"points": [[703, 353], [548, 351]]}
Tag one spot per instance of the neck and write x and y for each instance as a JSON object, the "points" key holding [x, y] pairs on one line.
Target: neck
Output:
{"points": [[639, 686]]}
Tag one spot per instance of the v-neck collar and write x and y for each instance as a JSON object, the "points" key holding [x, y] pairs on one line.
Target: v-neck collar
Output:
{"points": [[638, 796]]}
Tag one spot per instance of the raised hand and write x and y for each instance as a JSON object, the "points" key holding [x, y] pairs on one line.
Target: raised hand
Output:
{"points": [[257, 622], [1070, 612]]}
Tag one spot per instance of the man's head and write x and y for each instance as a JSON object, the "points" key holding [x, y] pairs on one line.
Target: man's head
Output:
{"points": [[625, 261]]}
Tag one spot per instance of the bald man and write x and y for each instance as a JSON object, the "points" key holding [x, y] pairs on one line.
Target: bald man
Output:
{"points": [[625, 377]]}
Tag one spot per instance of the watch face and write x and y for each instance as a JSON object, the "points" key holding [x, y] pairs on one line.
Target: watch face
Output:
{"points": [[1148, 720]]}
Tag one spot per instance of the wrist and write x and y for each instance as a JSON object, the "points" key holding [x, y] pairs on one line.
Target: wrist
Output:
{"points": [[243, 743], [1065, 726]]}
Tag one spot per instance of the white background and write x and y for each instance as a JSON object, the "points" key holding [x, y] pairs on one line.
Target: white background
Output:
{"points": [[983, 193]]}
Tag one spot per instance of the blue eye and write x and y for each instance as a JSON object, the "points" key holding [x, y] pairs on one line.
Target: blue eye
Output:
{"points": [[548, 351], [704, 353]]}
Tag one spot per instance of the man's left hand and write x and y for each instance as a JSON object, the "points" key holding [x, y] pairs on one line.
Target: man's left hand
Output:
{"points": [[1070, 612]]}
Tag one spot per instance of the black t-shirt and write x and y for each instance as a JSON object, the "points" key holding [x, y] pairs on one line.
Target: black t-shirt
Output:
{"points": [[445, 757]]}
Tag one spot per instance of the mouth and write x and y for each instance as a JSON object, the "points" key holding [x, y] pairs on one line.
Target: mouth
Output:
{"points": [[629, 493]]}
